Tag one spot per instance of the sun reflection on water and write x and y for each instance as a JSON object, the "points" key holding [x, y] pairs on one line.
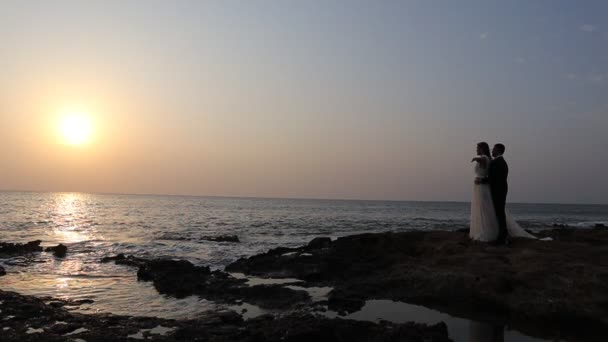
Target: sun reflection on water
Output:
{"points": [[62, 283], [72, 218]]}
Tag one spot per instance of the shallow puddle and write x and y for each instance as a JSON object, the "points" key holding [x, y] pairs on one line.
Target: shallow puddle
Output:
{"points": [[253, 281], [34, 331], [137, 336], [120, 300], [248, 311], [116, 295], [76, 332], [316, 294], [459, 329], [158, 330]]}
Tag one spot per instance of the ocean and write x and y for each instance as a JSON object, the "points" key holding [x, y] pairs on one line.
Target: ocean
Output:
{"points": [[98, 225]]}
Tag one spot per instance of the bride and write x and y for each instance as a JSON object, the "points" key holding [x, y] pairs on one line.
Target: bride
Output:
{"points": [[484, 224]]}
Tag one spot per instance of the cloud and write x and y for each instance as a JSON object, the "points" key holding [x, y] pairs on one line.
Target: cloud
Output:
{"points": [[520, 60], [484, 35], [588, 28]]}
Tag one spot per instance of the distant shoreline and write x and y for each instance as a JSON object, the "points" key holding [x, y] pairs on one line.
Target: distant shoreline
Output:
{"points": [[281, 198]]}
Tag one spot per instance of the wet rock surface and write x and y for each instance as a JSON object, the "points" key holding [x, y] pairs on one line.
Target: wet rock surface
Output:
{"points": [[26, 318], [58, 251], [180, 278], [22, 254], [11, 249], [534, 285], [556, 289], [121, 259], [320, 242]]}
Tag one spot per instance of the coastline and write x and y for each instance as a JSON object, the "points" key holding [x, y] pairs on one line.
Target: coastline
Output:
{"points": [[27, 318], [553, 289]]}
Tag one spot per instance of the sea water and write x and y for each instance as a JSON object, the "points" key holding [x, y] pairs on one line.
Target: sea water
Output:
{"points": [[98, 225]]}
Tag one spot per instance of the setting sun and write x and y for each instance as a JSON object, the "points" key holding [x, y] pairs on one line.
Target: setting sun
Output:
{"points": [[75, 129]]}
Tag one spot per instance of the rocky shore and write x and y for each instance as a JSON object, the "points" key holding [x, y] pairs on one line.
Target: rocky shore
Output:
{"points": [[553, 289], [540, 287], [26, 318], [8, 249], [180, 278]]}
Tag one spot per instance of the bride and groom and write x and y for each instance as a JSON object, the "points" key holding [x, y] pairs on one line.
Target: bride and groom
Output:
{"points": [[490, 222]]}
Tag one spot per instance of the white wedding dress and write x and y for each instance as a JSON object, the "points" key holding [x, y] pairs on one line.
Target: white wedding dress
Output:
{"points": [[484, 224]]}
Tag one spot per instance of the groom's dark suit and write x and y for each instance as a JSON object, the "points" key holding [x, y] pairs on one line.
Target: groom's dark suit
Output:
{"points": [[497, 177]]}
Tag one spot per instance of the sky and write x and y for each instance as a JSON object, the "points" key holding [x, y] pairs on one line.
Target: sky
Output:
{"points": [[306, 99]]}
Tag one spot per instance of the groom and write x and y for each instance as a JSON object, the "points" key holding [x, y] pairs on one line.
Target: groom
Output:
{"points": [[497, 177]]}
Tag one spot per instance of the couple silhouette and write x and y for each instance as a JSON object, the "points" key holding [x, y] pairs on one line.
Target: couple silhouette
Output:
{"points": [[490, 220]]}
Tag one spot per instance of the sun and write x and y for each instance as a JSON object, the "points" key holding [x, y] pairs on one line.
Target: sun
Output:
{"points": [[75, 128]]}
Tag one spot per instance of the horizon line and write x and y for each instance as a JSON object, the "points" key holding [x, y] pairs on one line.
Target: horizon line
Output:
{"points": [[273, 198]]}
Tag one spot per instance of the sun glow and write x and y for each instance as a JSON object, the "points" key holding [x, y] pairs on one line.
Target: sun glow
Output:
{"points": [[75, 129]]}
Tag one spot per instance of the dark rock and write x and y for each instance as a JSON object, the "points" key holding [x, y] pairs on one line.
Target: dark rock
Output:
{"points": [[319, 242], [221, 238], [121, 259], [345, 302], [7, 248], [56, 304], [305, 327], [271, 296], [180, 278], [80, 301], [276, 264], [535, 283], [182, 237], [161, 270], [59, 250], [114, 258], [31, 312], [26, 250]]}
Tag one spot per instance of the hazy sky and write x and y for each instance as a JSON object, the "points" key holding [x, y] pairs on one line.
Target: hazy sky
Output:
{"points": [[321, 99]]}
